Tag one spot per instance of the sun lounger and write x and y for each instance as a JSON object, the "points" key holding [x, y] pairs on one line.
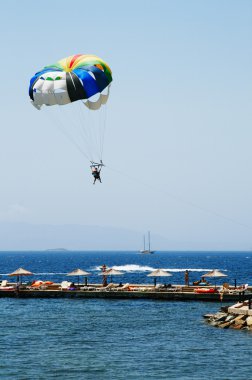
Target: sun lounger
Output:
{"points": [[175, 289], [165, 289], [110, 286], [46, 285], [4, 285], [41, 285], [123, 288], [240, 289], [65, 285], [36, 284], [226, 289], [88, 288], [147, 289], [140, 288]]}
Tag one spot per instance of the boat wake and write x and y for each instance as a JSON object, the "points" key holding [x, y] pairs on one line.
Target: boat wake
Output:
{"points": [[134, 268]]}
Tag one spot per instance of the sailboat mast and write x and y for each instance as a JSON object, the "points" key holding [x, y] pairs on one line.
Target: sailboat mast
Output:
{"points": [[149, 239]]}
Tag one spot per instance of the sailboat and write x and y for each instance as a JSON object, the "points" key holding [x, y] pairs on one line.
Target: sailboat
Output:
{"points": [[148, 250]]}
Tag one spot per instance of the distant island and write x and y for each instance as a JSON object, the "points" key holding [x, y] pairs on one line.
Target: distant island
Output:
{"points": [[57, 250]]}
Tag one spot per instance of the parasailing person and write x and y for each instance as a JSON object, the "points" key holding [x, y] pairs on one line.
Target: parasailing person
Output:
{"points": [[79, 85]]}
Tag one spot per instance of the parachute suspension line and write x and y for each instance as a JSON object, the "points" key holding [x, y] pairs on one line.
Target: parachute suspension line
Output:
{"points": [[98, 135], [87, 138], [84, 130], [92, 125], [72, 120], [96, 124], [73, 142], [94, 130], [61, 126], [87, 129], [100, 132], [103, 128]]}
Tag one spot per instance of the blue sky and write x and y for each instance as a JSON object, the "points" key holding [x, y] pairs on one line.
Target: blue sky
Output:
{"points": [[178, 138]]}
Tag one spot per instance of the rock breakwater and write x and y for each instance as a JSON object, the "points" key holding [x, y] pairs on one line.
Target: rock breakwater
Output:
{"points": [[238, 317]]}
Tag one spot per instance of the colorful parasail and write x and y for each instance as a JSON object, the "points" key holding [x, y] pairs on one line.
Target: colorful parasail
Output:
{"points": [[78, 77]]}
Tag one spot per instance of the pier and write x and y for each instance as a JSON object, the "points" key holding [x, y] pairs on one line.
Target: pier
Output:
{"points": [[176, 293]]}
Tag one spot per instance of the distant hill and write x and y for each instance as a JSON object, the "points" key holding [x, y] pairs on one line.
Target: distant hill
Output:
{"points": [[38, 237], [25, 236], [57, 250]]}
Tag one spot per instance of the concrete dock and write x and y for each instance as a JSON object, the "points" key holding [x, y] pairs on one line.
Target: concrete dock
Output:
{"points": [[182, 293]]}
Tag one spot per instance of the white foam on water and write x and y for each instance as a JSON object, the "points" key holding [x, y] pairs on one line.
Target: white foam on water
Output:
{"points": [[131, 268], [139, 268], [134, 268]]}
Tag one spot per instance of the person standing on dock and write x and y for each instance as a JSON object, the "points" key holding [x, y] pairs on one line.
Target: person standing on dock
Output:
{"points": [[104, 282], [187, 278]]}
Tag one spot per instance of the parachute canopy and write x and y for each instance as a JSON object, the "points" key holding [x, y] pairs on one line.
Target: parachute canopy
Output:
{"points": [[78, 77]]}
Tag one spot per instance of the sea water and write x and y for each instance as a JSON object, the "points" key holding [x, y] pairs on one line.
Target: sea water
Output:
{"points": [[121, 339]]}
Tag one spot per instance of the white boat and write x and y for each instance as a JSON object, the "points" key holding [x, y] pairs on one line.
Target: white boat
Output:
{"points": [[147, 250]]}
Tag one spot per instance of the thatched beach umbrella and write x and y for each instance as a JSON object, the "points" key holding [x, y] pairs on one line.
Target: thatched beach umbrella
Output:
{"points": [[79, 272], [111, 272], [19, 273], [214, 274], [158, 273]]}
